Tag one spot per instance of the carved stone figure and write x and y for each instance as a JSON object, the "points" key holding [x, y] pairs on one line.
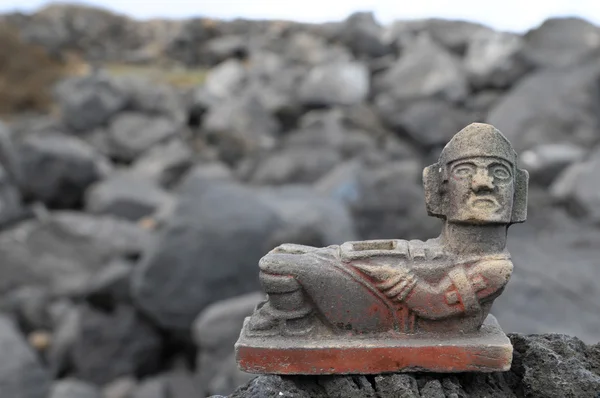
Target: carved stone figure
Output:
{"points": [[395, 305]]}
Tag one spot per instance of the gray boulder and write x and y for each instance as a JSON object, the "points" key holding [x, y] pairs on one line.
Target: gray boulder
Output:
{"points": [[57, 169], [21, 373], [308, 217], [546, 161], [111, 285], [551, 106], [363, 35], [576, 188], [423, 70], [165, 163], [122, 387], [110, 345], [429, 123], [130, 134], [62, 251], [385, 199], [294, 165], [226, 47], [208, 251], [495, 60], [215, 332], [126, 195], [225, 80], [560, 42], [336, 84], [71, 388], [90, 101], [239, 126]]}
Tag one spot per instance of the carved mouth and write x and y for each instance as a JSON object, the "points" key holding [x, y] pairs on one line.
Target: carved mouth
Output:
{"points": [[484, 202]]}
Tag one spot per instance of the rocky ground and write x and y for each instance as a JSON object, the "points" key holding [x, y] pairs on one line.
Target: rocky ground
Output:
{"points": [[134, 212]]}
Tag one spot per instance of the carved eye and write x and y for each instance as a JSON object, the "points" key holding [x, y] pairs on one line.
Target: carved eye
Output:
{"points": [[500, 172], [463, 170]]}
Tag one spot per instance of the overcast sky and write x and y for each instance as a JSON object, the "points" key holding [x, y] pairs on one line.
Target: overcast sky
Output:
{"points": [[512, 15]]}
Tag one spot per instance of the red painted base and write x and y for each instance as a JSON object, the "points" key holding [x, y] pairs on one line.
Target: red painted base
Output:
{"points": [[489, 350]]}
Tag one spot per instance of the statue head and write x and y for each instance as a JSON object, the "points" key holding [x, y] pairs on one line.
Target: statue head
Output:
{"points": [[476, 179]]}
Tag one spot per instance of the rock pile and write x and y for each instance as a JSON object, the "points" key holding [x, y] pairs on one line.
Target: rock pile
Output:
{"points": [[133, 219]]}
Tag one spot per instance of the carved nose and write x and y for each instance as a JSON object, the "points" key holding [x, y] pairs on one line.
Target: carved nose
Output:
{"points": [[482, 181]]}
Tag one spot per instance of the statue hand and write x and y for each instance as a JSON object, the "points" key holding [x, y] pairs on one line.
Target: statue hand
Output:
{"points": [[394, 281]]}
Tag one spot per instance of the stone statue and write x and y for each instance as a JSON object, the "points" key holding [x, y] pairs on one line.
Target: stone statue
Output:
{"points": [[395, 305]]}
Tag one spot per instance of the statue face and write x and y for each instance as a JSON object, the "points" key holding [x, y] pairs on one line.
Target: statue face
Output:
{"points": [[480, 190]]}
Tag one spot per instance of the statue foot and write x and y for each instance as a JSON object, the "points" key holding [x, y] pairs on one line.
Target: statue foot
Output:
{"points": [[270, 321]]}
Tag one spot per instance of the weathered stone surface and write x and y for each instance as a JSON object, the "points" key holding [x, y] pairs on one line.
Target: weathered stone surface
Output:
{"points": [[495, 59], [215, 331], [90, 101], [21, 373], [57, 169], [336, 84], [226, 47], [560, 42], [71, 388], [127, 195], [131, 134], [551, 106], [114, 344], [227, 229], [61, 252]]}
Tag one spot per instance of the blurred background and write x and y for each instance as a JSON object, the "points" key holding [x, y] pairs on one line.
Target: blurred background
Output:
{"points": [[152, 152]]}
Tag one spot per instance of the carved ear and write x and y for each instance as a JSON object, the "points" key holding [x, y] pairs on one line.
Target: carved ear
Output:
{"points": [[519, 211], [432, 182]]}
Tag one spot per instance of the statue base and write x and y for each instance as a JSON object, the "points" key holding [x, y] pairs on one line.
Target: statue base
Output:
{"points": [[487, 350]]}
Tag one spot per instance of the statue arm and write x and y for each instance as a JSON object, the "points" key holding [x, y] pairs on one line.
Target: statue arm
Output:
{"points": [[461, 292]]}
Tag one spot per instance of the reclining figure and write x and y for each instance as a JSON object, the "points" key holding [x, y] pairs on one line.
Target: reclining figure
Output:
{"points": [[404, 289]]}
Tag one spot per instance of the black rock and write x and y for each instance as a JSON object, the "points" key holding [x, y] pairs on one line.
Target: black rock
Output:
{"points": [[57, 169], [113, 344], [21, 373]]}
